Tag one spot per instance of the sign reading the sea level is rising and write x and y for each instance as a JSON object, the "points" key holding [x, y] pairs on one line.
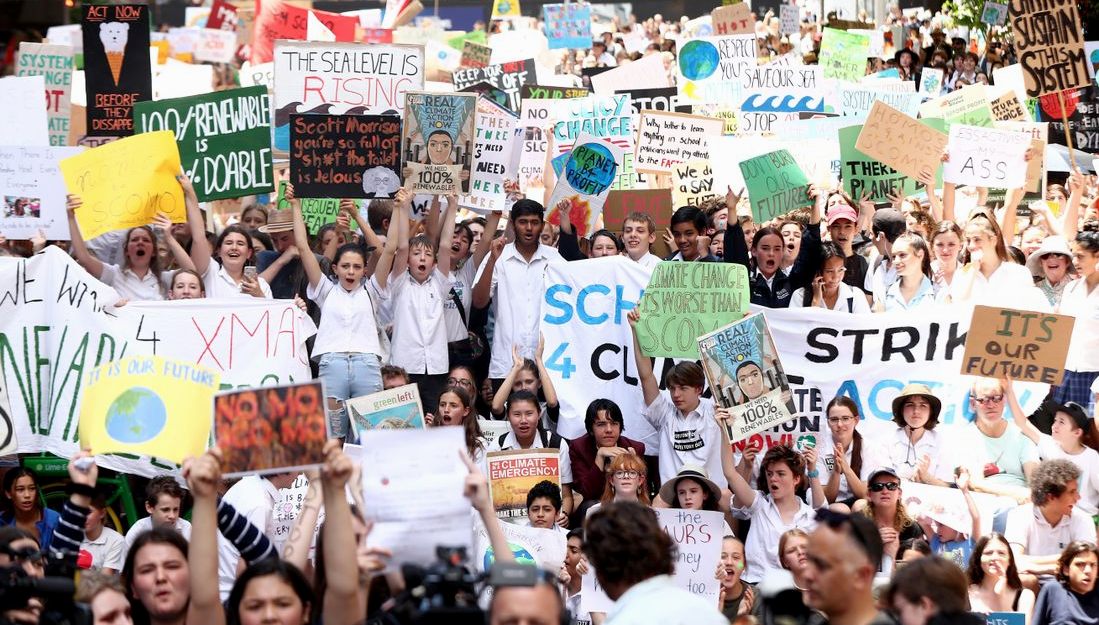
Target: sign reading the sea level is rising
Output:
{"points": [[684, 301]]}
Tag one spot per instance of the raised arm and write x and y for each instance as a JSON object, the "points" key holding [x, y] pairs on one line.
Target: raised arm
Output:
{"points": [[80, 250], [344, 596], [163, 226], [476, 489], [1017, 413], [1071, 215], [482, 292], [974, 512], [203, 475], [1011, 214], [650, 387], [492, 223], [432, 225], [201, 252], [301, 241], [501, 394], [296, 549], [385, 262], [446, 235], [743, 494], [548, 391]]}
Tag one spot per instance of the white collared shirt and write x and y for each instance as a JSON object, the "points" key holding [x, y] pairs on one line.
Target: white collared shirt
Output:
{"points": [[648, 261], [456, 329], [693, 438], [904, 456], [826, 464], [129, 286], [1083, 349], [517, 303], [254, 498], [419, 333], [144, 524], [1027, 527], [659, 600], [761, 548], [564, 463], [108, 551], [849, 300], [347, 319], [219, 284], [1010, 285]]}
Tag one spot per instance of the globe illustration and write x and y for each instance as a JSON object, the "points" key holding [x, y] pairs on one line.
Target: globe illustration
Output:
{"points": [[136, 415], [698, 59], [522, 556]]}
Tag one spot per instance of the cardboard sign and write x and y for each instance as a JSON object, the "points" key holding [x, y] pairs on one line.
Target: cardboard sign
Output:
{"points": [[495, 151], [697, 535], [735, 19], [684, 301], [905, 144], [656, 203], [862, 174], [843, 54], [224, 139], [55, 64], [507, 77], [776, 185], [986, 157], [1050, 44], [589, 172], [710, 68], [32, 192], [23, 118], [392, 409], [475, 55], [437, 136], [667, 139], [345, 156], [567, 25], [1020, 345], [117, 69], [511, 475], [276, 19], [692, 183], [273, 429], [148, 405], [125, 183], [1008, 108]]}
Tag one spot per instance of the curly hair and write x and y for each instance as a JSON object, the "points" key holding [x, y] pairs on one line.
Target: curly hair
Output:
{"points": [[1050, 480], [976, 574], [786, 454], [626, 544]]}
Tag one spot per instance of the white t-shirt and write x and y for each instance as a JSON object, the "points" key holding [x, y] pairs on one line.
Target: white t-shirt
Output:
{"points": [[347, 319], [693, 438], [462, 284], [183, 526], [517, 304], [419, 332], [872, 459], [1028, 528], [219, 284], [1083, 349], [850, 300], [129, 286], [1087, 461], [108, 551]]}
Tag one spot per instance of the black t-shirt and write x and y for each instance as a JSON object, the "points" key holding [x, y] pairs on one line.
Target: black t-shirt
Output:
{"points": [[855, 276]]}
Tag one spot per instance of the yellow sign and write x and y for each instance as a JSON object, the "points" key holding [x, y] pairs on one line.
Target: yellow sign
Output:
{"points": [[505, 8], [123, 184], [148, 405]]}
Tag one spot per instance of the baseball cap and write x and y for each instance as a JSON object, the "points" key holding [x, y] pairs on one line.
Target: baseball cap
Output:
{"points": [[842, 211]]}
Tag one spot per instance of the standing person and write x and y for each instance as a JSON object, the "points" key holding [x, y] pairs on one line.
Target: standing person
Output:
{"points": [[529, 375], [1071, 600], [163, 501], [1051, 266], [506, 281], [845, 553], [23, 507], [284, 267], [526, 433], [1081, 300], [455, 408], [886, 226], [638, 235], [1041, 529], [229, 275], [946, 245], [634, 559], [254, 498], [842, 219], [994, 580], [931, 591], [988, 274], [793, 548], [913, 287]]}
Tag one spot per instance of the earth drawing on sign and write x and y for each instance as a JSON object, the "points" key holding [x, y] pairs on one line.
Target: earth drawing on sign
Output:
{"points": [[137, 415]]}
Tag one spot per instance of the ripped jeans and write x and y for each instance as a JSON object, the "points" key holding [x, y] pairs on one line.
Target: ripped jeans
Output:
{"points": [[348, 375]]}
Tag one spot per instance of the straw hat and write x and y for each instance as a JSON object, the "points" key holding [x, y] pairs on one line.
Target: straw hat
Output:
{"points": [[694, 472], [279, 221], [1050, 245]]}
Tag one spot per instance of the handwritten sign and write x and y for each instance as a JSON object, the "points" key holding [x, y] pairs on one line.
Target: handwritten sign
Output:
{"points": [[55, 64], [216, 45], [315, 211], [986, 157], [843, 54], [117, 69], [857, 100], [667, 139], [862, 174], [279, 20], [32, 192], [656, 203], [710, 68], [224, 139], [905, 144], [684, 301], [475, 55], [507, 77], [1017, 344], [539, 92], [437, 136], [776, 185], [692, 183], [495, 148], [589, 172], [345, 156], [1050, 41], [125, 183], [606, 117], [567, 25], [1008, 108], [697, 535], [223, 16], [734, 19], [23, 118], [789, 19]]}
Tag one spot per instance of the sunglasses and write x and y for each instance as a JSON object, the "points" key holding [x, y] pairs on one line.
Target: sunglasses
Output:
{"points": [[878, 487], [991, 399]]}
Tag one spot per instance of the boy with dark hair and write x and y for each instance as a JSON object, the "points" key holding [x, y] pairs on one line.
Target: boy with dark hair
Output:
{"points": [[688, 223], [105, 548], [163, 500], [544, 506], [888, 224]]}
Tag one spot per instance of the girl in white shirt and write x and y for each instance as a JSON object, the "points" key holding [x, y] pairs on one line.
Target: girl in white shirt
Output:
{"points": [[988, 275], [225, 276], [828, 289], [1081, 300], [912, 288], [186, 284]]}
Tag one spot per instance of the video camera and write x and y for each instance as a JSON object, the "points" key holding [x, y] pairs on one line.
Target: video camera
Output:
{"points": [[55, 591]]}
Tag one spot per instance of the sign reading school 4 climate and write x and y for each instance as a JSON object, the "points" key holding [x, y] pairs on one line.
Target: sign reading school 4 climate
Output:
{"points": [[224, 139], [57, 323]]}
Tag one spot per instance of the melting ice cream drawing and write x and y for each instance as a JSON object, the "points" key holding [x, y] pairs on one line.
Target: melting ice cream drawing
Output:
{"points": [[114, 36]]}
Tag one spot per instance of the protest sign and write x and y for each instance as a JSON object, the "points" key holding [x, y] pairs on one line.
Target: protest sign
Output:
{"points": [[692, 183], [843, 54], [262, 75], [8, 443], [1036, 169], [947, 506], [412, 487], [147, 405], [668, 139], [994, 13], [531, 546], [1008, 108], [392, 409], [216, 45], [125, 183], [857, 100], [511, 475], [182, 43], [697, 535], [1050, 42], [222, 15], [1082, 107], [734, 19], [1005, 618], [315, 211], [55, 64], [968, 106], [567, 25], [744, 373], [33, 192], [589, 172], [665, 99], [909, 146], [437, 136], [117, 69], [862, 174], [776, 185], [345, 156], [52, 307], [474, 55], [645, 73], [279, 20], [23, 118], [684, 301], [495, 148], [507, 77], [1017, 344], [710, 68], [931, 82], [656, 203], [539, 92], [789, 19], [340, 78], [505, 9], [224, 139], [275, 429], [986, 157], [604, 116]]}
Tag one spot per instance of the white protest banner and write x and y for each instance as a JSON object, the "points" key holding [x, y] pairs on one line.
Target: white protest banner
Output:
{"points": [[645, 73], [697, 535], [665, 140], [216, 45], [341, 78], [182, 41], [55, 63], [986, 157], [23, 119], [857, 100], [947, 506], [789, 19], [497, 138], [412, 485], [33, 192], [710, 68], [56, 311], [533, 546]]}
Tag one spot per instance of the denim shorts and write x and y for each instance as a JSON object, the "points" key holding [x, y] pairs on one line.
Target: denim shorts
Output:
{"points": [[348, 375]]}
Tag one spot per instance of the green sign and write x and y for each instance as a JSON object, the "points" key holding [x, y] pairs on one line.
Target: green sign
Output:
{"points": [[862, 174], [224, 139], [776, 185], [315, 211], [684, 301], [843, 54]]}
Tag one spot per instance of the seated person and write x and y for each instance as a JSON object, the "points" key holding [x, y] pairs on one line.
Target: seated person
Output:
{"points": [[526, 432], [1040, 531], [163, 499], [544, 507]]}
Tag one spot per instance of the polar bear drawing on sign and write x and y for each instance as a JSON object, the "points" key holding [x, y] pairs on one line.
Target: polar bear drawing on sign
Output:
{"points": [[114, 36], [380, 182]]}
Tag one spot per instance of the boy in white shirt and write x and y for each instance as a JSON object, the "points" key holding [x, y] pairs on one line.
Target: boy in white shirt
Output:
{"points": [[105, 547], [638, 235]]}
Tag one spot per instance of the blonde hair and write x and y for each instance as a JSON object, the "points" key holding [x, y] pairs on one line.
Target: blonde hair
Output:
{"points": [[626, 462]]}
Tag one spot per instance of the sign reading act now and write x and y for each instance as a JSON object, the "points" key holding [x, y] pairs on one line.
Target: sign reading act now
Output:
{"points": [[1017, 344]]}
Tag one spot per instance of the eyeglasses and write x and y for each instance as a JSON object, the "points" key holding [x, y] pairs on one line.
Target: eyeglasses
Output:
{"points": [[459, 382], [991, 399], [878, 487], [838, 420], [623, 475]]}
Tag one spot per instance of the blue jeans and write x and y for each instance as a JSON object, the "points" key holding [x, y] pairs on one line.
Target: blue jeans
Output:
{"points": [[348, 375]]}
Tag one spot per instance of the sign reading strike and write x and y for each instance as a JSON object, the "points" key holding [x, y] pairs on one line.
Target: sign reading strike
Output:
{"points": [[683, 301], [1050, 41], [776, 185], [224, 139], [1017, 345]]}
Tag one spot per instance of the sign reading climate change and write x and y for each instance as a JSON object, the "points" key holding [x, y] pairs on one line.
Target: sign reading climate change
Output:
{"points": [[224, 139]]}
